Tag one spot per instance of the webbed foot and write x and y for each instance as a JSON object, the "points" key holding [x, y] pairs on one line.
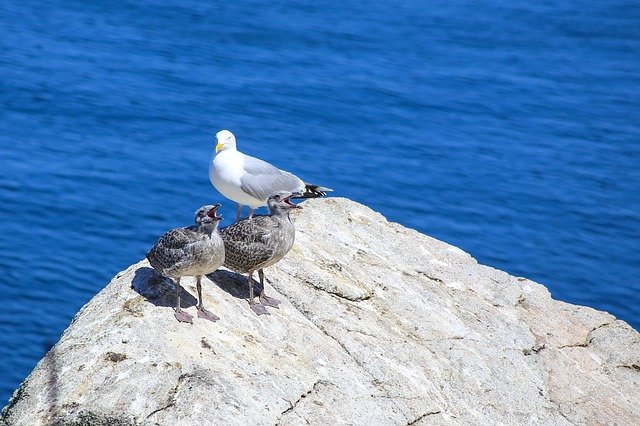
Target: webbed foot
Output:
{"points": [[203, 313], [258, 308], [182, 316], [269, 301]]}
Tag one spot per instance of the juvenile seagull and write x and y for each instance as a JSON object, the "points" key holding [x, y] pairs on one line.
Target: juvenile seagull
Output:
{"points": [[194, 250], [253, 244], [248, 180]]}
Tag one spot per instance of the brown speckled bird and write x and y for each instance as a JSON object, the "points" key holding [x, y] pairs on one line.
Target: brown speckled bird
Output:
{"points": [[194, 250], [254, 244]]}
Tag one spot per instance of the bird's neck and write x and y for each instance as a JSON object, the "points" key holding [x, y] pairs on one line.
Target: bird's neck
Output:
{"points": [[281, 215], [228, 156], [206, 229]]}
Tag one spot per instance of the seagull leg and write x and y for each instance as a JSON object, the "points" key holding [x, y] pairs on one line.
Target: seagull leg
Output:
{"points": [[250, 212], [256, 307], [266, 300], [238, 212], [181, 315], [202, 312]]}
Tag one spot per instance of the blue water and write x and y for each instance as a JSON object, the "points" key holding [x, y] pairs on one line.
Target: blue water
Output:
{"points": [[509, 130]]}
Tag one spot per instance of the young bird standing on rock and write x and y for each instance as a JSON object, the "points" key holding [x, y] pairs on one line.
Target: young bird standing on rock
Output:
{"points": [[195, 250], [248, 180], [253, 244]]}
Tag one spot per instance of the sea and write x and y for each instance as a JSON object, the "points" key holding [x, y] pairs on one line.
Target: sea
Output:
{"points": [[509, 129]]}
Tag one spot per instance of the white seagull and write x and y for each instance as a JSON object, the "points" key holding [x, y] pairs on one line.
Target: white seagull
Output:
{"points": [[250, 181]]}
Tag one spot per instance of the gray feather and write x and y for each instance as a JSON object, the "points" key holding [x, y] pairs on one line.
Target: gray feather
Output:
{"points": [[256, 243], [262, 179], [187, 251]]}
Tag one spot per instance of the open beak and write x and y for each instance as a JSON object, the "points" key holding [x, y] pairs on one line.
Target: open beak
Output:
{"points": [[288, 202], [213, 213], [218, 147]]}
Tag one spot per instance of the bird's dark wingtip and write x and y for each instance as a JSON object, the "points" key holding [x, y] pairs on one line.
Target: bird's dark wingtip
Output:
{"points": [[314, 191]]}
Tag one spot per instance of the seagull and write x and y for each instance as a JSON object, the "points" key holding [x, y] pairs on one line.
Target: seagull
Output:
{"points": [[249, 181], [256, 243], [194, 250]]}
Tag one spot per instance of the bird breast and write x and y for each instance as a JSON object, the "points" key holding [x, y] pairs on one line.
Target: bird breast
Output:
{"points": [[226, 167], [282, 239], [225, 171], [205, 257]]}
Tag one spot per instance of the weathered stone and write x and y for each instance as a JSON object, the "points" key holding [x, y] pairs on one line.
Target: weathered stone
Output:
{"points": [[379, 325]]}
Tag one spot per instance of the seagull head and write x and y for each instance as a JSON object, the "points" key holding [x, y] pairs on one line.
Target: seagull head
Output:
{"points": [[208, 215], [280, 202], [225, 140]]}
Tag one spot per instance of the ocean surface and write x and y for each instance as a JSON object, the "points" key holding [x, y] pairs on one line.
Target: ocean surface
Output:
{"points": [[509, 130]]}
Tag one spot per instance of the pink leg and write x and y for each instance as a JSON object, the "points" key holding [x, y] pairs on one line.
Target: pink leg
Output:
{"points": [[266, 300], [238, 212], [256, 307], [181, 315], [202, 312]]}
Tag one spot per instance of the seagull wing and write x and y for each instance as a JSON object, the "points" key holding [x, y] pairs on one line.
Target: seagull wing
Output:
{"points": [[171, 248], [262, 179], [247, 239], [176, 239]]}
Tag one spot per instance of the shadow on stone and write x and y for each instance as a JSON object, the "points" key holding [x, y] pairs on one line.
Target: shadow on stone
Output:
{"points": [[233, 283], [161, 291]]}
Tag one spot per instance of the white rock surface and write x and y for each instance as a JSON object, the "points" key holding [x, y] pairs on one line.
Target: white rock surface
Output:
{"points": [[379, 325]]}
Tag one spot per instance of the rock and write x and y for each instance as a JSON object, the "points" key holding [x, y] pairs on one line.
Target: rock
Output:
{"points": [[379, 325]]}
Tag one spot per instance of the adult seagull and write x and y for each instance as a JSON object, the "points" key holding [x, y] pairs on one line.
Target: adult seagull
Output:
{"points": [[250, 181]]}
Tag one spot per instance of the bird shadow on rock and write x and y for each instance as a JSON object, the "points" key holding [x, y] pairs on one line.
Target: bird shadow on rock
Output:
{"points": [[233, 283], [160, 290]]}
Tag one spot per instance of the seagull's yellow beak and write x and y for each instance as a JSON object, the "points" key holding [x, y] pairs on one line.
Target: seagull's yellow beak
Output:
{"points": [[219, 146]]}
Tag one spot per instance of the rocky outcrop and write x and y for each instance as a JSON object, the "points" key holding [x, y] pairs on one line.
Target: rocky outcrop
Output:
{"points": [[379, 325]]}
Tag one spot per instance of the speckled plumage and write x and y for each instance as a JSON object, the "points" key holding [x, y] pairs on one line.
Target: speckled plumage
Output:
{"points": [[187, 252], [191, 251], [259, 242]]}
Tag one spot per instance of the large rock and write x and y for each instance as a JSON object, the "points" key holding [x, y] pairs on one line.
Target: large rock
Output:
{"points": [[379, 325]]}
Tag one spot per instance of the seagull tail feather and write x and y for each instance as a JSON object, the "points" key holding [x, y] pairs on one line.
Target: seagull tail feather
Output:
{"points": [[314, 191]]}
